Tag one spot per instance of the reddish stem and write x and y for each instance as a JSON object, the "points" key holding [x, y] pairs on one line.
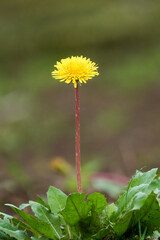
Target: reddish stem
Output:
{"points": [[77, 140]]}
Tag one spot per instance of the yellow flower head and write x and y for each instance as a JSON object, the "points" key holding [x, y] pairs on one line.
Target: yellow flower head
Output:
{"points": [[75, 69]]}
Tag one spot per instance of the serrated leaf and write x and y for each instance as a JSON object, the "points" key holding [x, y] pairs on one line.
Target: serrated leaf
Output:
{"points": [[19, 235], [56, 199], [133, 204], [5, 223], [155, 186], [36, 226], [141, 182], [143, 178], [98, 201], [43, 214], [76, 209], [21, 225], [12, 231], [127, 200]]}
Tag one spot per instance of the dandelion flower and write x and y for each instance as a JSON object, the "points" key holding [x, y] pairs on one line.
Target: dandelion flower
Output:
{"points": [[75, 70]]}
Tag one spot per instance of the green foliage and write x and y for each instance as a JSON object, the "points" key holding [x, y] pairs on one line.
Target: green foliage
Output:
{"points": [[77, 209], [135, 216], [11, 230], [56, 199]]}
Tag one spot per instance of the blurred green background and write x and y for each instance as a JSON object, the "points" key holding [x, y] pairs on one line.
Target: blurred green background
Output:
{"points": [[120, 113]]}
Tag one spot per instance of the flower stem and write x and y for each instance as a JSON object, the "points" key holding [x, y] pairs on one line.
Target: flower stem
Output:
{"points": [[77, 142]]}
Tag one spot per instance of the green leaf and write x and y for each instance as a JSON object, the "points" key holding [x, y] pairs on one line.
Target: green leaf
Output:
{"points": [[136, 216], [23, 206], [111, 208], [21, 225], [19, 235], [42, 202], [149, 216], [123, 218], [77, 209], [56, 199], [42, 213], [93, 223], [155, 186], [100, 234], [4, 236], [98, 201], [36, 226], [12, 231], [143, 178], [139, 187], [136, 202]]}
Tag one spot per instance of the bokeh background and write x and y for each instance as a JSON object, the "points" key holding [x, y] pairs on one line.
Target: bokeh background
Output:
{"points": [[120, 109]]}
